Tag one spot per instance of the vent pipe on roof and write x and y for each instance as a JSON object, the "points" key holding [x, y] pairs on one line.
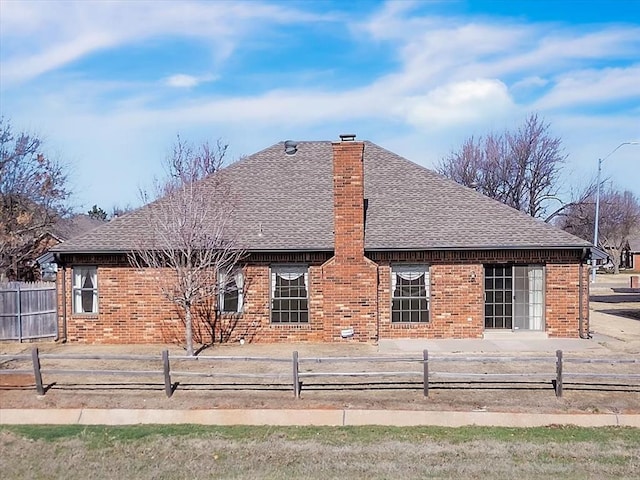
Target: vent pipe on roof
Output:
{"points": [[290, 147], [347, 137]]}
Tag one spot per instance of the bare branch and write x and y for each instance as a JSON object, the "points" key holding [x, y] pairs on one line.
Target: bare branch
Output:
{"points": [[188, 226], [619, 218], [519, 168]]}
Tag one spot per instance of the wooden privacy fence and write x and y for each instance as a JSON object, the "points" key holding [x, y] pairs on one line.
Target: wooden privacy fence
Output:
{"points": [[546, 369], [28, 311]]}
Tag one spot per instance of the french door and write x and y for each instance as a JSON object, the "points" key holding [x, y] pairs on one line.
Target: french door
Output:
{"points": [[514, 297]]}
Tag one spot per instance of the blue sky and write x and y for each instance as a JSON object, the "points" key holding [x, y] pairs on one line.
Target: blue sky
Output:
{"points": [[110, 84]]}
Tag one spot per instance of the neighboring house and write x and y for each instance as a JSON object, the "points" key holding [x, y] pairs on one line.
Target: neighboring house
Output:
{"points": [[625, 256], [343, 239], [40, 264], [632, 253]]}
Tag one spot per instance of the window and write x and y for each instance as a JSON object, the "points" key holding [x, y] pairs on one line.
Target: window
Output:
{"points": [[230, 288], [410, 293], [85, 290], [289, 287], [48, 272]]}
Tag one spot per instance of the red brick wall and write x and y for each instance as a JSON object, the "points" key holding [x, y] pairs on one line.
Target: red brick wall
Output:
{"points": [[456, 308], [350, 299], [254, 325], [131, 309], [562, 299]]}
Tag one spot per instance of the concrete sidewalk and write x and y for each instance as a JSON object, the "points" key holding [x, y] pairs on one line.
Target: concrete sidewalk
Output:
{"points": [[607, 331], [511, 342], [314, 417]]}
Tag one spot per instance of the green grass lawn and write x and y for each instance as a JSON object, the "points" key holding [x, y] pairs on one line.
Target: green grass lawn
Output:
{"points": [[192, 451]]}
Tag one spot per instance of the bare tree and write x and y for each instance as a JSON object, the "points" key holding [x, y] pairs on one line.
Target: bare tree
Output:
{"points": [[619, 218], [188, 224], [33, 195], [519, 168]]}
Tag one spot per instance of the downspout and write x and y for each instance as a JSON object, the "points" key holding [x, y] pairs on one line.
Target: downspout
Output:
{"points": [[377, 303], [64, 303], [581, 318]]}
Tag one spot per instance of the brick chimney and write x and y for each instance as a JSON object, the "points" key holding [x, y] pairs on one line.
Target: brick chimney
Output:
{"points": [[350, 305], [348, 199]]}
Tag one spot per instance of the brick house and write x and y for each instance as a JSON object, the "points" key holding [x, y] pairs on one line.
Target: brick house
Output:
{"points": [[345, 241]]}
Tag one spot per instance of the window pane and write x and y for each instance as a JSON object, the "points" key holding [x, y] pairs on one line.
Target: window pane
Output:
{"points": [[85, 291], [409, 301], [289, 295], [230, 302], [87, 301]]}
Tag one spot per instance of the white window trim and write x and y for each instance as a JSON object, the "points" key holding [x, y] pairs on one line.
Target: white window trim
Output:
{"points": [[412, 271], [77, 289], [292, 271], [238, 276]]}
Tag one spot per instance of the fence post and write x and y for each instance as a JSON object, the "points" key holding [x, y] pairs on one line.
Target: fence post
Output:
{"points": [[425, 371], [167, 373], [558, 373], [19, 312], [296, 377], [36, 371]]}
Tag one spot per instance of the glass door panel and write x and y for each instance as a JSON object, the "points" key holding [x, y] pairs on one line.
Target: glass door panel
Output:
{"points": [[528, 297], [498, 288]]}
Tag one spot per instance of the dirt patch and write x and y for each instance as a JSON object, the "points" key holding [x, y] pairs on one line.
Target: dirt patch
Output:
{"points": [[218, 383], [17, 380]]}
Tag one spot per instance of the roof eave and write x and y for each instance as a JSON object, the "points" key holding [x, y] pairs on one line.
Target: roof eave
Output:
{"points": [[482, 248]]}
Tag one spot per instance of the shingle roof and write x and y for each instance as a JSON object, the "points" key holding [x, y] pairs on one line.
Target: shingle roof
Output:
{"points": [[634, 242], [285, 202], [66, 228]]}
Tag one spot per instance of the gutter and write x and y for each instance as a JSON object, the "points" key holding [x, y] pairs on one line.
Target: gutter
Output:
{"points": [[372, 250], [126, 252], [581, 319], [472, 248]]}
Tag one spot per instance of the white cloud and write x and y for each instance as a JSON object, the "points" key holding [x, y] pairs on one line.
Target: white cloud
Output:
{"points": [[181, 80], [38, 37], [459, 102], [592, 87], [529, 83]]}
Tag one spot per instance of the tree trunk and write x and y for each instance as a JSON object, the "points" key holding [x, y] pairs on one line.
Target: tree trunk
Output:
{"points": [[615, 259], [188, 325]]}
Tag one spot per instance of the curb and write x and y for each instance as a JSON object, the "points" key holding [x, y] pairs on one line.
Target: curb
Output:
{"points": [[324, 417]]}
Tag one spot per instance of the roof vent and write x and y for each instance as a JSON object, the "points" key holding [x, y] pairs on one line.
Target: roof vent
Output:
{"points": [[347, 137], [290, 147]]}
